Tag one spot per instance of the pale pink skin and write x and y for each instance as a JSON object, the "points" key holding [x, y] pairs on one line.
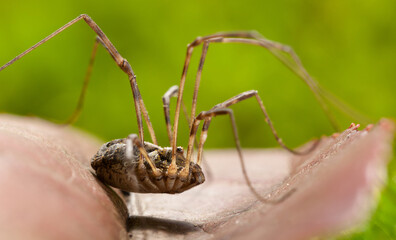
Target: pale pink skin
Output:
{"points": [[48, 191]]}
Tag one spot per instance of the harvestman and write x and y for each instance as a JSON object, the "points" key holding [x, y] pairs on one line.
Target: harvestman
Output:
{"points": [[133, 165]]}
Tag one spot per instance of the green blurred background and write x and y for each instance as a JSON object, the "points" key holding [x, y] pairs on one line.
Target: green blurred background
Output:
{"points": [[348, 46]]}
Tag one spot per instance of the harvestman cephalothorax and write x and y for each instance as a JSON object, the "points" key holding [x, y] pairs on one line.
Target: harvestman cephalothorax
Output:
{"points": [[133, 165]]}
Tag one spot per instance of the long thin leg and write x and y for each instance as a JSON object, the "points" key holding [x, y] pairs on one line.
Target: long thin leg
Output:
{"points": [[248, 94], [180, 93], [277, 49], [207, 117], [172, 92], [226, 104], [198, 78], [120, 61], [87, 77]]}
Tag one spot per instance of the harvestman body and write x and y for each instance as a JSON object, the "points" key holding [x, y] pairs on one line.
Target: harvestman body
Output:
{"points": [[133, 165]]}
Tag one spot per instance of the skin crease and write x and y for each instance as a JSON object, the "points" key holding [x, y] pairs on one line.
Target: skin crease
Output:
{"points": [[49, 192]]}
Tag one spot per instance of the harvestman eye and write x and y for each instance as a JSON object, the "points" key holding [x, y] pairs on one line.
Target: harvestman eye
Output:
{"points": [[134, 165]]}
